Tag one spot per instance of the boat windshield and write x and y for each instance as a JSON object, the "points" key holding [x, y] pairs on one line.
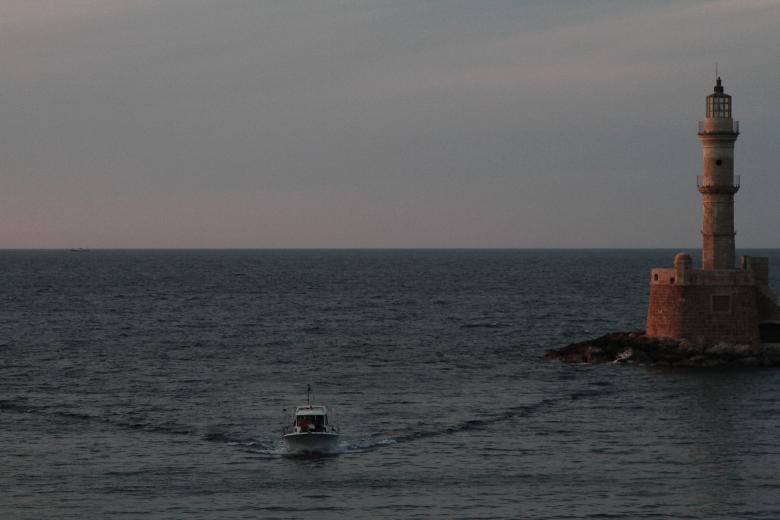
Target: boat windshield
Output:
{"points": [[314, 423]]}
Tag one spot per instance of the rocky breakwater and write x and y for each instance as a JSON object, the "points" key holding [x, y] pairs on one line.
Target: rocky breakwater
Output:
{"points": [[635, 347]]}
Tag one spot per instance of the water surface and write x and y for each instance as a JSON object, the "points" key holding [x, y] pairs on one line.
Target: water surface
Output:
{"points": [[155, 383]]}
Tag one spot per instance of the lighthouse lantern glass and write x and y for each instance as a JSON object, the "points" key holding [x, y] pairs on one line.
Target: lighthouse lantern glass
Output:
{"points": [[719, 106]]}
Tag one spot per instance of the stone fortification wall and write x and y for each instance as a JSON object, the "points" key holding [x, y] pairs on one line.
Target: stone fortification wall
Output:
{"points": [[703, 313], [665, 313], [682, 276], [759, 266], [711, 305], [768, 311]]}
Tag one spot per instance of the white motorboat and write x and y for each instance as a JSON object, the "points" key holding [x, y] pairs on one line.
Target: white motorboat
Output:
{"points": [[310, 431]]}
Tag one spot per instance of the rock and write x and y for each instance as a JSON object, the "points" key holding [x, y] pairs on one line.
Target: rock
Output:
{"points": [[640, 357], [713, 362], [749, 361], [600, 350], [718, 349], [594, 355], [697, 360], [729, 351], [691, 348], [771, 353], [666, 351], [637, 348], [624, 356], [742, 351]]}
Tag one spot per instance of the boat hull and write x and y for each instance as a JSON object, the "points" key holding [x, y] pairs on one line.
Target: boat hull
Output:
{"points": [[312, 442]]}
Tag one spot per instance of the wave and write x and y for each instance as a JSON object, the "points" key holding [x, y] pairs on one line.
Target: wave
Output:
{"points": [[166, 428], [277, 448], [480, 423], [486, 325]]}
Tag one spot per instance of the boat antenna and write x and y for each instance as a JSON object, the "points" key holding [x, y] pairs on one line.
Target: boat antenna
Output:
{"points": [[308, 394]]}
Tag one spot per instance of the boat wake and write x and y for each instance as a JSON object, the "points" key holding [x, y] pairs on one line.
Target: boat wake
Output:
{"points": [[125, 421], [357, 446], [276, 448]]}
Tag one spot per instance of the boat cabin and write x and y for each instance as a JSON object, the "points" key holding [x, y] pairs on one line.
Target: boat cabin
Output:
{"points": [[311, 418]]}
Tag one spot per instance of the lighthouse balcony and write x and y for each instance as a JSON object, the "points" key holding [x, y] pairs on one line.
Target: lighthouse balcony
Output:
{"points": [[707, 186]]}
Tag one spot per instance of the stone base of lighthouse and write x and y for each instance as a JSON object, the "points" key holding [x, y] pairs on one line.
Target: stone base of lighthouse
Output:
{"points": [[696, 318], [713, 305]]}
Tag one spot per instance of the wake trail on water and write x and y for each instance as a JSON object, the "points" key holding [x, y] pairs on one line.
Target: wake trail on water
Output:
{"points": [[523, 410], [276, 448], [356, 446], [130, 423]]}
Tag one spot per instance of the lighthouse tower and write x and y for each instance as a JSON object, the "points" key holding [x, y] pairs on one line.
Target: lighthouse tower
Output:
{"points": [[721, 302], [717, 184]]}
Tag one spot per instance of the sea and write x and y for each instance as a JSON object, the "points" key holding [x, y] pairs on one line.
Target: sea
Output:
{"points": [[155, 384]]}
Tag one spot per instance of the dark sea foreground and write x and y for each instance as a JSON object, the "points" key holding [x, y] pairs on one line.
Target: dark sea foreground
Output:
{"points": [[152, 384]]}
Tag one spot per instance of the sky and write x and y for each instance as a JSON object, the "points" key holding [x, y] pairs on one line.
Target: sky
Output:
{"points": [[378, 123]]}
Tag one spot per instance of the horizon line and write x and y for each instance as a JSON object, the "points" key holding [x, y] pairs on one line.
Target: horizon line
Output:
{"points": [[456, 248]]}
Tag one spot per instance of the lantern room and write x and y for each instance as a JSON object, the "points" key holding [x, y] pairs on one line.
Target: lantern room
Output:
{"points": [[719, 103]]}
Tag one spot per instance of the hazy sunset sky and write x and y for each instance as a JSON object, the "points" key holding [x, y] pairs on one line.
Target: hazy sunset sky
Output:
{"points": [[388, 123]]}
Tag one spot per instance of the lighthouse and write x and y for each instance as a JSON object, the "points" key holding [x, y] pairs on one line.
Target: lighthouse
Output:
{"points": [[719, 302], [717, 184]]}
